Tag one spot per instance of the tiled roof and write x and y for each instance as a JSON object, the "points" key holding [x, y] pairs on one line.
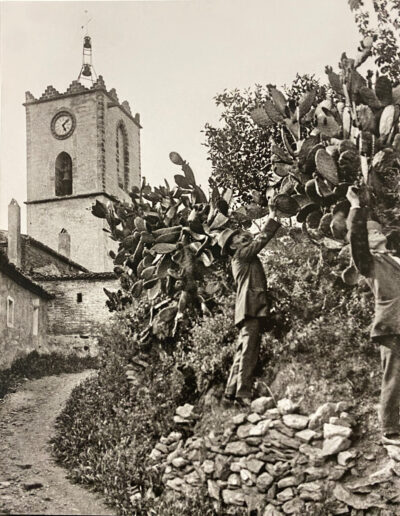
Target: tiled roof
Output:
{"points": [[39, 245], [49, 250], [85, 276], [10, 270]]}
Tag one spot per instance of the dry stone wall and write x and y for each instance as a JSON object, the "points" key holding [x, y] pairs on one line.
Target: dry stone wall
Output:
{"points": [[276, 461]]}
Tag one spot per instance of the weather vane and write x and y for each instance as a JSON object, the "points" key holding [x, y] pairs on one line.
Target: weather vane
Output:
{"points": [[87, 72], [88, 20]]}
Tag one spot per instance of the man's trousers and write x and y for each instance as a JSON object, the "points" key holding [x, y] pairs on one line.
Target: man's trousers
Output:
{"points": [[240, 379], [389, 410]]}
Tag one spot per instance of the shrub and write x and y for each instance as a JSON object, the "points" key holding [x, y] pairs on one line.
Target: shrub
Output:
{"points": [[109, 426], [209, 348], [36, 365], [324, 324]]}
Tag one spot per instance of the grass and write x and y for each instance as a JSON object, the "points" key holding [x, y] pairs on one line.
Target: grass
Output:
{"points": [[35, 365]]}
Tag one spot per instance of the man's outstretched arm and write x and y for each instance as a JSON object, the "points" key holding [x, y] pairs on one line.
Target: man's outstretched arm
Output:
{"points": [[357, 224], [268, 230]]}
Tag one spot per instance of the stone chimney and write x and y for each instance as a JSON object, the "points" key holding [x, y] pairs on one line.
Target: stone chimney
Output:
{"points": [[14, 233], [64, 243]]}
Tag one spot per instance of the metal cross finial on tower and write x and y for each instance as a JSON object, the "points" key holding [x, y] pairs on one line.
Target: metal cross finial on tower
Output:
{"points": [[88, 20], [87, 72]]}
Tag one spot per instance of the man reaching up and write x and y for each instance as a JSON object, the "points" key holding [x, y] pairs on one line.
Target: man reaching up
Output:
{"points": [[251, 306], [381, 269]]}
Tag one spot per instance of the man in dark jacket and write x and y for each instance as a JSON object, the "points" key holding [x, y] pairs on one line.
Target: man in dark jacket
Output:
{"points": [[251, 307], [381, 268]]}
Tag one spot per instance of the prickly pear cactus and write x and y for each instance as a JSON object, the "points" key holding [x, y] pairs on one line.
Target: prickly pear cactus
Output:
{"points": [[355, 140], [168, 248]]}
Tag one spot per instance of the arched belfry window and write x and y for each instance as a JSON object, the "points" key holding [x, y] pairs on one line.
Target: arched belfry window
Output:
{"points": [[63, 174], [122, 156]]}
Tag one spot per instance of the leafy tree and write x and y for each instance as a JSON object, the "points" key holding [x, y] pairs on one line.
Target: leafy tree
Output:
{"points": [[383, 23], [240, 150]]}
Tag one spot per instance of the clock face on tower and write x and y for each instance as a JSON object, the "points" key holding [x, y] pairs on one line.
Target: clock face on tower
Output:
{"points": [[63, 124]]}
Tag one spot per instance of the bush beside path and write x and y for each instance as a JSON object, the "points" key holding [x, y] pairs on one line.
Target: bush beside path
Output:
{"points": [[30, 481]]}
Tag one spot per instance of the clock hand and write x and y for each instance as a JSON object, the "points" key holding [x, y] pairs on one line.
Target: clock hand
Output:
{"points": [[63, 125]]}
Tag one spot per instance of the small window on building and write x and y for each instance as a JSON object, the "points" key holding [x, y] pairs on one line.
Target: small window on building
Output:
{"points": [[10, 312], [79, 297]]}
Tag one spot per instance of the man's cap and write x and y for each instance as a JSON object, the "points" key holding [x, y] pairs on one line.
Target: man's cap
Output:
{"points": [[373, 224], [224, 239], [393, 240]]}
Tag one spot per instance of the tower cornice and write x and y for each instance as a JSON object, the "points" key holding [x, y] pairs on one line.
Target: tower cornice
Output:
{"points": [[76, 89], [75, 196]]}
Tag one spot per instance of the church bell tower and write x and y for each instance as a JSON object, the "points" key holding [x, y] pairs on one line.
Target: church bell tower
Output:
{"points": [[82, 145]]}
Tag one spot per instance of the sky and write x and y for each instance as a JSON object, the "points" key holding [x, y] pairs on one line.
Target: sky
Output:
{"points": [[167, 58]]}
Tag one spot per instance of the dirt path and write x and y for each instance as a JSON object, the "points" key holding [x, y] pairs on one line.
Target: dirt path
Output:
{"points": [[30, 481]]}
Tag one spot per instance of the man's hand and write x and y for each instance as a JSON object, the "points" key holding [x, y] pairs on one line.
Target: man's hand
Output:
{"points": [[272, 213], [353, 197], [272, 209]]}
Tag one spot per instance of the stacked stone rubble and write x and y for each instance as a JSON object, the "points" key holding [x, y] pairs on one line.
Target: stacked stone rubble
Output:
{"points": [[273, 459]]}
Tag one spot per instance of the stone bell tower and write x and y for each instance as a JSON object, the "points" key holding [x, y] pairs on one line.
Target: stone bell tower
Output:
{"points": [[82, 145]]}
